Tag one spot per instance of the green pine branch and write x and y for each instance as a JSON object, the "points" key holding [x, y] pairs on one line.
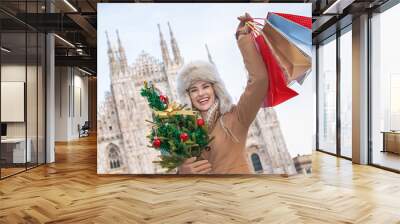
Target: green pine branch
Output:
{"points": [[153, 97], [168, 130]]}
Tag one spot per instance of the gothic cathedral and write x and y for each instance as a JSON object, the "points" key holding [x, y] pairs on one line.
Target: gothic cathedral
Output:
{"points": [[122, 130]]}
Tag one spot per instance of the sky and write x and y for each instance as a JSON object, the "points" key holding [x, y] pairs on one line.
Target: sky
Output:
{"points": [[194, 25]]}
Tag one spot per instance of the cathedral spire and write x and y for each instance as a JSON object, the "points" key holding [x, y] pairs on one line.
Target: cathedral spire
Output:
{"points": [[164, 48], [174, 45], [111, 56], [209, 56], [110, 50], [122, 55]]}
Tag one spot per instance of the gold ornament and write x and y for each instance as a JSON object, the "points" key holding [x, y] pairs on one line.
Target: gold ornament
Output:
{"points": [[174, 109]]}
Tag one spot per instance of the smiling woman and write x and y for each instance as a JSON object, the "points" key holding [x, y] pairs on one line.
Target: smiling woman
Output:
{"points": [[200, 86]]}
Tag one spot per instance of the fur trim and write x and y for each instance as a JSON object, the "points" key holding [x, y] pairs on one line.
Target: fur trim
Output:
{"points": [[205, 71]]}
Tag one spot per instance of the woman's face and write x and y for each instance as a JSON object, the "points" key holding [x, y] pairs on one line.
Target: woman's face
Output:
{"points": [[202, 95]]}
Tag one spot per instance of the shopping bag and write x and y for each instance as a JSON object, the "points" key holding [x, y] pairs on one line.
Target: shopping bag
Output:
{"points": [[296, 33], [294, 61], [298, 30], [302, 78], [301, 20], [278, 91]]}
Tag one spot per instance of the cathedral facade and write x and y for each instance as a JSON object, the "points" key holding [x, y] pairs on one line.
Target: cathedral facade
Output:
{"points": [[122, 130]]}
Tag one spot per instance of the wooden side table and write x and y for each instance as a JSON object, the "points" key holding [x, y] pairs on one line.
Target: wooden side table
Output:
{"points": [[391, 141]]}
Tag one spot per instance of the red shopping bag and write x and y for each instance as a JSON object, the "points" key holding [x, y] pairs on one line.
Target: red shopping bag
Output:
{"points": [[278, 92], [301, 20]]}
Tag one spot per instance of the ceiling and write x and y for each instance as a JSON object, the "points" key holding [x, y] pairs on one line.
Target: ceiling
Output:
{"points": [[75, 21]]}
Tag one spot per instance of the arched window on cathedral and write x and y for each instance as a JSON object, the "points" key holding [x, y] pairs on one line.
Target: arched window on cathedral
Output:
{"points": [[114, 156], [255, 159]]}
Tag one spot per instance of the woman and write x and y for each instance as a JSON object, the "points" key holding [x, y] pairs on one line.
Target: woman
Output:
{"points": [[199, 85]]}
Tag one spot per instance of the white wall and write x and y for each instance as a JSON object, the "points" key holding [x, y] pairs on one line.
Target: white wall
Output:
{"points": [[34, 125], [71, 94], [61, 103], [12, 101], [80, 109], [12, 73]]}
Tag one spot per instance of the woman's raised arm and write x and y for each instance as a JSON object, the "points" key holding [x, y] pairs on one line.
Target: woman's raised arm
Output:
{"points": [[252, 98]]}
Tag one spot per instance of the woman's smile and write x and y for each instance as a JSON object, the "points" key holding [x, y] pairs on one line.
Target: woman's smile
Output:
{"points": [[204, 100], [202, 95]]}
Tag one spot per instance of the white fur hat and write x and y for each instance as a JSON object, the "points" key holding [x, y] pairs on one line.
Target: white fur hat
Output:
{"points": [[204, 71]]}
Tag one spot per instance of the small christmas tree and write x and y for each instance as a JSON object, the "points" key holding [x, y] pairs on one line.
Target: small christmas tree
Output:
{"points": [[177, 132]]}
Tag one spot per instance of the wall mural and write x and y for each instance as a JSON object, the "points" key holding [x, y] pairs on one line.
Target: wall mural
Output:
{"points": [[187, 89]]}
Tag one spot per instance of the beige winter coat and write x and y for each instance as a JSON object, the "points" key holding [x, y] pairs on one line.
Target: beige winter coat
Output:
{"points": [[227, 154]]}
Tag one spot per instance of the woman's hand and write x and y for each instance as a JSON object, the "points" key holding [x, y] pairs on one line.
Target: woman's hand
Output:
{"points": [[191, 166], [242, 27]]}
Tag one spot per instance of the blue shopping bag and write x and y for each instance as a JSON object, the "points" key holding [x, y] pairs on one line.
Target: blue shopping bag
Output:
{"points": [[297, 34]]}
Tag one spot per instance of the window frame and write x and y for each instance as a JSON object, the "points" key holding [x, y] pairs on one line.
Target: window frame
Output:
{"points": [[334, 37]]}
